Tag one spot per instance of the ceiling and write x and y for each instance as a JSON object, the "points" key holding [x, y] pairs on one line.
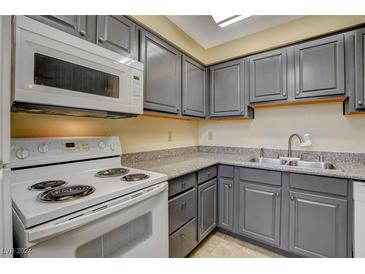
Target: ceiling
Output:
{"points": [[207, 33]]}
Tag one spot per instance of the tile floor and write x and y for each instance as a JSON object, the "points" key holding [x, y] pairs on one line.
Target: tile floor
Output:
{"points": [[219, 245]]}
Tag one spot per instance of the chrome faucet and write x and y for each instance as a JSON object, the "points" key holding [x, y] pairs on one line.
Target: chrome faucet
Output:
{"points": [[261, 154], [290, 140]]}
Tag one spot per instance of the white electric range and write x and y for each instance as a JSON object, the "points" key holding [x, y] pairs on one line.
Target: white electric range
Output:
{"points": [[72, 198]]}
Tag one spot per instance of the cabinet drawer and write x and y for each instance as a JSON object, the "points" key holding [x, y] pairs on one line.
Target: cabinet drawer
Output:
{"points": [[207, 174], [181, 184], [182, 209], [226, 171], [183, 241], [261, 176], [319, 183]]}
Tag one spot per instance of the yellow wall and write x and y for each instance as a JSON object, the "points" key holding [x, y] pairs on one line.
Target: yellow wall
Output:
{"points": [[136, 134], [296, 30], [329, 129]]}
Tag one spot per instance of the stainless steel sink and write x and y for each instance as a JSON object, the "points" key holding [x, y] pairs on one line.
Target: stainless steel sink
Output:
{"points": [[312, 164], [299, 164], [268, 161]]}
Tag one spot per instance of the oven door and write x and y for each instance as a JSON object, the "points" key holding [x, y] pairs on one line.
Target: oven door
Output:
{"points": [[134, 226], [57, 69]]}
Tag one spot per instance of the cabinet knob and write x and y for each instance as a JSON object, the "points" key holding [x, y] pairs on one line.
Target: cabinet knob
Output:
{"points": [[182, 236], [277, 194], [292, 197], [183, 205], [183, 185], [229, 186], [297, 92], [82, 32], [284, 93], [101, 40], [359, 102]]}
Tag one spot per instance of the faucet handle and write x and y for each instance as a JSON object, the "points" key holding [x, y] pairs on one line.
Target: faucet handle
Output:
{"points": [[321, 158], [261, 152]]}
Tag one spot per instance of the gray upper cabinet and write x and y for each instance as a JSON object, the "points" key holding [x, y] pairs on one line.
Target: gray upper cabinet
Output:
{"points": [[259, 212], [72, 24], [162, 68], [360, 69], [320, 67], [227, 89], [318, 225], [207, 208], [268, 76], [225, 203], [193, 88], [117, 33]]}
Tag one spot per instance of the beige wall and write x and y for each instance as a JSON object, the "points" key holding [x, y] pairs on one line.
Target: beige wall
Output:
{"points": [[329, 129], [296, 30], [136, 134]]}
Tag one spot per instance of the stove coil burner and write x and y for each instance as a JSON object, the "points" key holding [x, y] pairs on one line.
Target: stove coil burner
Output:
{"points": [[113, 172], [135, 177], [47, 185], [66, 193]]}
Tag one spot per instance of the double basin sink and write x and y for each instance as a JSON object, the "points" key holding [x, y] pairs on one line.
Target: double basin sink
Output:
{"points": [[293, 163]]}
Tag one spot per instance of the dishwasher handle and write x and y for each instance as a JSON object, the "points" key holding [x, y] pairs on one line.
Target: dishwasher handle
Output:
{"points": [[84, 217]]}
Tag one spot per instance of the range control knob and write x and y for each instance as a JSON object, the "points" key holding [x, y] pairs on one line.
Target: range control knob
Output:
{"points": [[22, 153], [101, 145], [43, 148], [112, 147]]}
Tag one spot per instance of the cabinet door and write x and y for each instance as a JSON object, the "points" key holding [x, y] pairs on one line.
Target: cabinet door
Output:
{"points": [[360, 68], [319, 67], [193, 88], [207, 208], [162, 68], [268, 76], [259, 212], [227, 89], [117, 33], [225, 203], [317, 225], [72, 24]]}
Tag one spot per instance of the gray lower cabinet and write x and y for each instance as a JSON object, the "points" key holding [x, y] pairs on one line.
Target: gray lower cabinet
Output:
{"points": [[117, 33], [225, 203], [194, 88], [360, 69], [268, 76], [207, 208], [162, 68], [317, 225], [72, 24], [227, 89], [259, 212], [320, 67]]}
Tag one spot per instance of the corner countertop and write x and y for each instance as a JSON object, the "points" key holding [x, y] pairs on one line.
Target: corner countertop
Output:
{"points": [[176, 166]]}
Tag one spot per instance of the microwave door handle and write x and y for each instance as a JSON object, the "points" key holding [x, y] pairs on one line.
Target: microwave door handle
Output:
{"points": [[54, 228]]}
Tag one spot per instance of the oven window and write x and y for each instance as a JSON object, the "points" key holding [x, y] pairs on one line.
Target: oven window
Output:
{"points": [[52, 72]]}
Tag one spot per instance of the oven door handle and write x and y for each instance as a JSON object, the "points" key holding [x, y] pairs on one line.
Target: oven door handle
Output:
{"points": [[82, 218]]}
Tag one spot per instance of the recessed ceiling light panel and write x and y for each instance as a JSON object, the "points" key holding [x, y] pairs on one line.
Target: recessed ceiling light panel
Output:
{"points": [[226, 20]]}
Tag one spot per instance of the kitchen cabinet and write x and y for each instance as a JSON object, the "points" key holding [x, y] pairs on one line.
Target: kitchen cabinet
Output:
{"points": [[207, 208], [194, 95], [317, 225], [360, 70], [225, 203], [259, 212], [320, 67], [227, 89], [268, 76], [117, 33], [72, 24], [162, 70]]}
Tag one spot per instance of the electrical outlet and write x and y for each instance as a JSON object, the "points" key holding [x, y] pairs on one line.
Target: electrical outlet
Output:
{"points": [[169, 136], [210, 135]]}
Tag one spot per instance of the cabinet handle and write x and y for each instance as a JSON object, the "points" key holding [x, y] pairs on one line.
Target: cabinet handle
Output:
{"points": [[182, 236], [284, 93], [277, 194], [183, 205], [82, 32], [292, 197], [183, 185], [101, 40], [208, 174], [297, 92], [359, 103], [229, 186]]}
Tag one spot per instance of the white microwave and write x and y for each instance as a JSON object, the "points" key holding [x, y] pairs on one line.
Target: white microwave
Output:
{"points": [[56, 72]]}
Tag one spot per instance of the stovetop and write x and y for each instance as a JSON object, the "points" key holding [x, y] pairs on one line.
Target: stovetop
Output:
{"points": [[33, 211]]}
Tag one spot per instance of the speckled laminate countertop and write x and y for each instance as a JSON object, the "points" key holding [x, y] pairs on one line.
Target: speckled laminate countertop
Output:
{"points": [[179, 165]]}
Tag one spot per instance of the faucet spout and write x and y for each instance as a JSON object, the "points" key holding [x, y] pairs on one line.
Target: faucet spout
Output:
{"points": [[290, 142]]}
